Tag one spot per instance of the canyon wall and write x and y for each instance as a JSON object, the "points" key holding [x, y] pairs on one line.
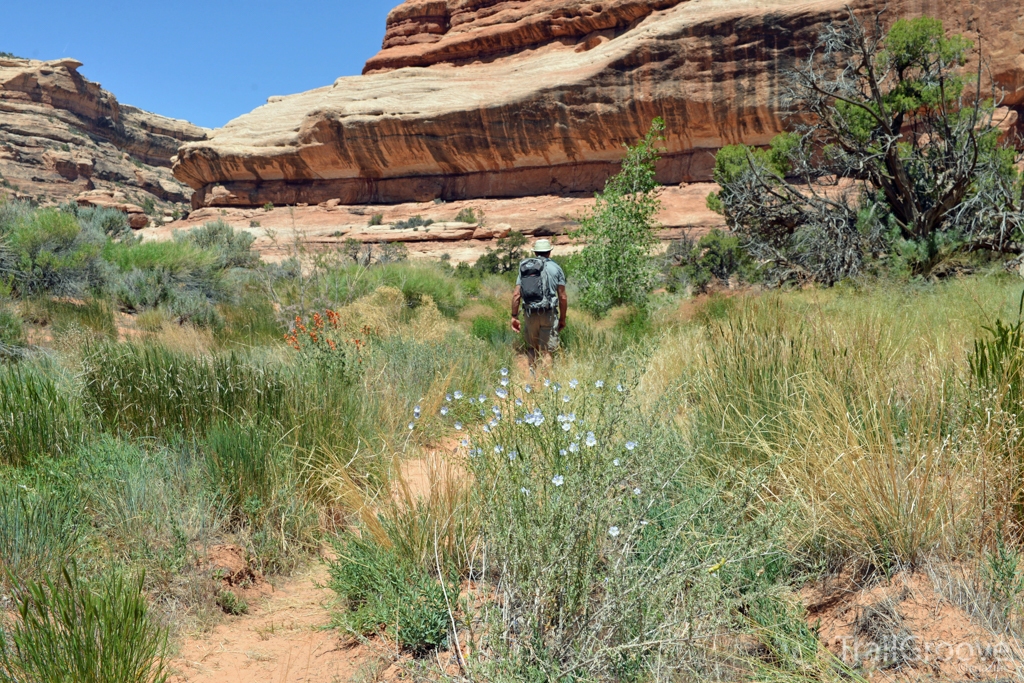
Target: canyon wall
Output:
{"points": [[507, 98], [62, 135]]}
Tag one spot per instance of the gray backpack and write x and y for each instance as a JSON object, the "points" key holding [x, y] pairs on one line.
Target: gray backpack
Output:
{"points": [[533, 284]]}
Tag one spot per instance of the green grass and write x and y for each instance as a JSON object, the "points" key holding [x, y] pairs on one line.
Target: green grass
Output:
{"points": [[70, 629], [251, 322], [94, 315], [347, 284], [244, 463], [178, 257], [39, 416], [39, 533], [12, 333], [742, 444], [384, 592], [153, 391]]}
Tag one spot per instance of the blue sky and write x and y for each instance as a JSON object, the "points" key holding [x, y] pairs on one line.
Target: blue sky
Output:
{"points": [[207, 62]]}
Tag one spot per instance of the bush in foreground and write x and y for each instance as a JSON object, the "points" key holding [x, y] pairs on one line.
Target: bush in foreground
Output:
{"points": [[385, 592]]}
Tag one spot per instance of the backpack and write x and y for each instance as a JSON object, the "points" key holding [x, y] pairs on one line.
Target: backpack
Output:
{"points": [[533, 284]]}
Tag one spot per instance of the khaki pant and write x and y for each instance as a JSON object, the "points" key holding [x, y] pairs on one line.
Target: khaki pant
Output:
{"points": [[540, 330]]}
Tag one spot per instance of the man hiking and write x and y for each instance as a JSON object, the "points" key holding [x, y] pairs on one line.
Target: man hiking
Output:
{"points": [[540, 288]]}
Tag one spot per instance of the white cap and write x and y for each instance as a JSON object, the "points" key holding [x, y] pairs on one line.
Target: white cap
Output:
{"points": [[542, 246]]}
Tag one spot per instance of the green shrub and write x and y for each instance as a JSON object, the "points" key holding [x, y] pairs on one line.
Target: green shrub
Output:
{"points": [[47, 251], [195, 309], [39, 533], [234, 248], [153, 391], [105, 221], [716, 256], [174, 273], [38, 417], [69, 629], [376, 219], [139, 290], [494, 331], [505, 257], [231, 603], [468, 215], [383, 591], [181, 259], [414, 222]]}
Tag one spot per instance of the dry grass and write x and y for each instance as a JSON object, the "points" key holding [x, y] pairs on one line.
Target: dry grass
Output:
{"points": [[861, 403]]}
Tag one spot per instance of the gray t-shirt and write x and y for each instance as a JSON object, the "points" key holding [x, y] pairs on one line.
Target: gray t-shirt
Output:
{"points": [[556, 278]]}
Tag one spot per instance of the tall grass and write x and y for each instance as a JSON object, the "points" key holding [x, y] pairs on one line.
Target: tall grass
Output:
{"points": [[245, 463], [865, 412], [147, 507], [39, 416], [402, 570], [95, 315], [257, 478], [39, 533], [69, 629], [153, 391], [330, 282]]}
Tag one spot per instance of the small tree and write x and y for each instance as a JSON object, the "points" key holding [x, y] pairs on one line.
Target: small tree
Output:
{"points": [[505, 257], [616, 266], [899, 155]]}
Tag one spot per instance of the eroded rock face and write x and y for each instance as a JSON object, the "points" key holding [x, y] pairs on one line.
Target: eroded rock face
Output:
{"points": [[508, 98], [62, 135]]}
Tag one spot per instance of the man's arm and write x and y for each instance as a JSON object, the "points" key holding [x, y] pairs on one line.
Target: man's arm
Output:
{"points": [[563, 306], [516, 298]]}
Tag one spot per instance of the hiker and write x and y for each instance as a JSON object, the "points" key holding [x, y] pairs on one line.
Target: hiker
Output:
{"points": [[541, 289]]}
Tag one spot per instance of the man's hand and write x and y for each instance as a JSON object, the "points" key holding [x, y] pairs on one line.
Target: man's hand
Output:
{"points": [[561, 324], [515, 324]]}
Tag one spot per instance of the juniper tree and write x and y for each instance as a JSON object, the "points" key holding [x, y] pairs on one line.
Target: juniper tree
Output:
{"points": [[898, 152]]}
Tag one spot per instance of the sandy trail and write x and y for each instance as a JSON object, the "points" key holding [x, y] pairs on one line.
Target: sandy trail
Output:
{"points": [[281, 640]]}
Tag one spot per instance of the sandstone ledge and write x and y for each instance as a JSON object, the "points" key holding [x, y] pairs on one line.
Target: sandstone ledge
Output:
{"points": [[522, 111], [328, 226]]}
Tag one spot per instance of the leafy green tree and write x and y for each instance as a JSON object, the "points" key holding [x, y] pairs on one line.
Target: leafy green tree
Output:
{"points": [[615, 266], [900, 156]]}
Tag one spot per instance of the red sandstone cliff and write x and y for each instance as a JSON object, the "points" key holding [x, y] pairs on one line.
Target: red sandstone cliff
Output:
{"points": [[506, 98]]}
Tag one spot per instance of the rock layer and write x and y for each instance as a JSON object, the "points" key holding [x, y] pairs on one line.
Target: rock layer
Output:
{"points": [[508, 98], [329, 226], [62, 135]]}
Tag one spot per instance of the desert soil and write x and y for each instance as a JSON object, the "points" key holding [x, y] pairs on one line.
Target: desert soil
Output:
{"points": [[285, 638]]}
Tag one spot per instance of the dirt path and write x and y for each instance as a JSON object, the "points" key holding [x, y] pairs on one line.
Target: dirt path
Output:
{"points": [[281, 640]]}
